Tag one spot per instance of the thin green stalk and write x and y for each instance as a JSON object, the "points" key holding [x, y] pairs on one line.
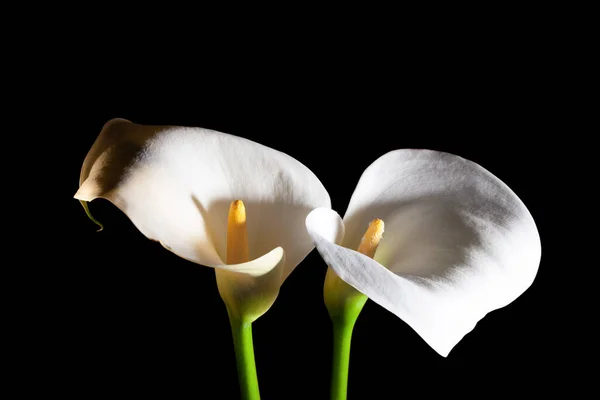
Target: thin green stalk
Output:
{"points": [[344, 304], [342, 336], [244, 354], [89, 214]]}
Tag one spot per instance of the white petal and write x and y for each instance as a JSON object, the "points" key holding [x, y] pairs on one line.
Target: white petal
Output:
{"points": [[458, 243], [259, 266], [327, 223], [176, 184], [248, 296]]}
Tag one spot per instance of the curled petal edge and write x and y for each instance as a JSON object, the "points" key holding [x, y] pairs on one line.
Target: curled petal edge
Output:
{"points": [[246, 293], [257, 267], [327, 223]]}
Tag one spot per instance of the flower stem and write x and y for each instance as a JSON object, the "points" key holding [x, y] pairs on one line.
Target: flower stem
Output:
{"points": [[344, 304], [342, 335], [244, 354]]}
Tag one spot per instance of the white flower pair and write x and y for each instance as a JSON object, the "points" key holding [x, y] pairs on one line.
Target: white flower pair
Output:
{"points": [[449, 241]]}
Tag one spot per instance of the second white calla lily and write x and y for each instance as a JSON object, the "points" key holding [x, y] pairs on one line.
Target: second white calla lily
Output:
{"points": [[177, 184], [458, 242]]}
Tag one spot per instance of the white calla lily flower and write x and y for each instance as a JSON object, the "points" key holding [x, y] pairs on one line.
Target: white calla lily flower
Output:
{"points": [[176, 184], [458, 243], [214, 199]]}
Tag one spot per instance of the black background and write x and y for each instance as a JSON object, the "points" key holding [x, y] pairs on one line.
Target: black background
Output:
{"points": [[128, 317]]}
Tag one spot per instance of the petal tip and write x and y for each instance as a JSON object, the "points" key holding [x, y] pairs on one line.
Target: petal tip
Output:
{"points": [[87, 191]]}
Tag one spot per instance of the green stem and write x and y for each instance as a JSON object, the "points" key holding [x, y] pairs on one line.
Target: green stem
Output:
{"points": [[342, 336], [244, 354]]}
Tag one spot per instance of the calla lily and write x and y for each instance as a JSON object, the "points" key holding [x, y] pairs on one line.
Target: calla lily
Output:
{"points": [[214, 199], [451, 242]]}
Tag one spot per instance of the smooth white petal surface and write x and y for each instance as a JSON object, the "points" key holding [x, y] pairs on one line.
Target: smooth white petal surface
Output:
{"points": [[458, 243], [176, 185]]}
